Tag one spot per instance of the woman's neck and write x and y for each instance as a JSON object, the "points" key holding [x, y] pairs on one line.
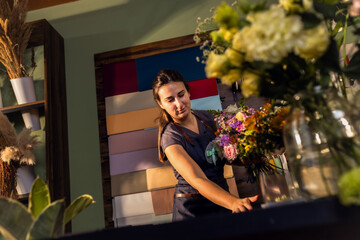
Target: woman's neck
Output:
{"points": [[189, 122]]}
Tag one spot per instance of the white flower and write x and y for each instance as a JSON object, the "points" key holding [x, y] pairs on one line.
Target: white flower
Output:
{"points": [[231, 109], [270, 37]]}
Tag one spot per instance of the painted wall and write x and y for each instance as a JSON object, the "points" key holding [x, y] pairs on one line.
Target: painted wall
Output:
{"points": [[90, 27]]}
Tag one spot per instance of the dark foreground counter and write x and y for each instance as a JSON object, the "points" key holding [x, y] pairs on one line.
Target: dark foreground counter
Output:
{"points": [[320, 219]]}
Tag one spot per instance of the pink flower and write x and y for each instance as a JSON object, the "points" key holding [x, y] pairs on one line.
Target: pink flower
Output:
{"points": [[230, 152]]}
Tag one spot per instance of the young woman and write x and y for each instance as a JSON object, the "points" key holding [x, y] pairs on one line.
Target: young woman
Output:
{"points": [[183, 137]]}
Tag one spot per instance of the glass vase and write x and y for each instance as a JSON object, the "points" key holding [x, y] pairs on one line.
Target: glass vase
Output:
{"points": [[273, 184], [321, 141]]}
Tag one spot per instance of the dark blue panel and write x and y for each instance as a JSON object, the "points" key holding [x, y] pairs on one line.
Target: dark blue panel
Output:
{"points": [[183, 60]]}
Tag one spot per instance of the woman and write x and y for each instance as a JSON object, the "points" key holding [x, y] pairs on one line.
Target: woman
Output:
{"points": [[183, 137]]}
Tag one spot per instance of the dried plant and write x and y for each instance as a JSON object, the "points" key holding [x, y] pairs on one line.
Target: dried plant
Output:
{"points": [[14, 37], [15, 151]]}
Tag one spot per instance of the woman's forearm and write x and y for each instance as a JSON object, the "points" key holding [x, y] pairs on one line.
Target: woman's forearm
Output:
{"points": [[214, 192]]}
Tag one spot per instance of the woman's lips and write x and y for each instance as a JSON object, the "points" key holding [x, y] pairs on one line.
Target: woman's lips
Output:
{"points": [[182, 110]]}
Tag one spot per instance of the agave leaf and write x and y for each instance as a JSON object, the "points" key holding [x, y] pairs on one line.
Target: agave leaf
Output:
{"points": [[39, 197], [50, 223], [77, 206], [15, 220]]}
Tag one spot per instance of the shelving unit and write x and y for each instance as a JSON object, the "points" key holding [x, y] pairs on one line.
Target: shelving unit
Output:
{"points": [[25, 106], [54, 108]]}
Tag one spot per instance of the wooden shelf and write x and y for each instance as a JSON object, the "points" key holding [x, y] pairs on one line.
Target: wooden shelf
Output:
{"points": [[25, 106]]}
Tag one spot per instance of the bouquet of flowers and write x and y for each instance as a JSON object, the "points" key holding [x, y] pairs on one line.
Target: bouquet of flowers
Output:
{"points": [[279, 50], [247, 137]]}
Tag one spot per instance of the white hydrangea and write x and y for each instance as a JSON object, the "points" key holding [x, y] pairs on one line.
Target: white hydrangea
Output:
{"points": [[270, 37]]}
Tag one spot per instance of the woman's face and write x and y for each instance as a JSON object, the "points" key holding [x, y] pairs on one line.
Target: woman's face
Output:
{"points": [[175, 100]]}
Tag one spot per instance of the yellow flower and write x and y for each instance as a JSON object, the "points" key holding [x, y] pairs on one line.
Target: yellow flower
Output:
{"points": [[313, 42], [296, 6], [236, 43], [236, 59], [248, 148], [217, 37], [291, 6], [250, 85], [239, 116], [232, 76], [216, 65], [228, 33], [308, 5]]}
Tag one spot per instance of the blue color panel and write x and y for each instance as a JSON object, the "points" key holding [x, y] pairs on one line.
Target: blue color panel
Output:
{"points": [[207, 103], [184, 61]]}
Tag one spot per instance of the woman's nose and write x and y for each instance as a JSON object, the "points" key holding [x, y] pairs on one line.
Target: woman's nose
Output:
{"points": [[177, 102]]}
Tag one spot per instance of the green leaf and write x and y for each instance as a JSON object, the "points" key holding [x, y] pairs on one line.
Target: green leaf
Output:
{"points": [[77, 206], [330, 60], [310, 20], [50, 223], [39, 197], [15, 220], [327, 9]]}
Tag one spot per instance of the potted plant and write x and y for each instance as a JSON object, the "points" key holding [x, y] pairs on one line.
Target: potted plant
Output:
{"points": [[16, 152], [42, 219], [14, 37]]}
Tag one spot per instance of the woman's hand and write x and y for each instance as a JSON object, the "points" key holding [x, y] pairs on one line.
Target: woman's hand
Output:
{"points": [[243, 204]]}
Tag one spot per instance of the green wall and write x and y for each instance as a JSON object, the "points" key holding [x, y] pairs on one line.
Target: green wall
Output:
{"points": [[90, 27]]}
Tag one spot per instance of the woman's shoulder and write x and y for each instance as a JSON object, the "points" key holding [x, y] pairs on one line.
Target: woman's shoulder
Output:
{"points": [[170, 131], [170, 136]]}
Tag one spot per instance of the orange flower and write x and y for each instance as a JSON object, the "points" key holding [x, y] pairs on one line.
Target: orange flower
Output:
{"points": [[277, 123], [266, 108]]}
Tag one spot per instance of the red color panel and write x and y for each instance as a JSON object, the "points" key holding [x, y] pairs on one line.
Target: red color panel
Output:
{"points": [[120, 78], [203, 88]]}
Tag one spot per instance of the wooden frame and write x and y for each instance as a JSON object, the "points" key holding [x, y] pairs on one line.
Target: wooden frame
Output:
{"points": [[57, 155], [103, 59]]}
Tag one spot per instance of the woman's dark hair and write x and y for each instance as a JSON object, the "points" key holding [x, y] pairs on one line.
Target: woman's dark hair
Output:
{"points": [[164, 77]]}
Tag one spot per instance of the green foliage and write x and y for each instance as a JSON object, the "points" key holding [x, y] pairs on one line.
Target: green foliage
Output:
{"points": [[349, 185], [246, 6], [77, 206], [15, 220], [42, 219], [50, 222], [39, 197]]}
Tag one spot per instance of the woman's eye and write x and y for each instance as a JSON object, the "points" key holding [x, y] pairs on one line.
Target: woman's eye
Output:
{"points": [[181, 95], [171, 100]]}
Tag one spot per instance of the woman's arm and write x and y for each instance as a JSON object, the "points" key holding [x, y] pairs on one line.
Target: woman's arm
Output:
{"points": [[193, 174]]}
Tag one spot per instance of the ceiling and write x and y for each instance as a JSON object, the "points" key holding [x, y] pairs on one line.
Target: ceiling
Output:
{"points": [[38, 4]]}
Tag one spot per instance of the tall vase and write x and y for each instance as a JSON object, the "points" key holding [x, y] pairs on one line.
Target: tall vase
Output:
{"points": [[321, 141], [25, 93], [25, 177]]}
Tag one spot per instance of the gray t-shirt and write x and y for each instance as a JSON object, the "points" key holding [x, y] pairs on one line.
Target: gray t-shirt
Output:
{"points": [[171, 135]]}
